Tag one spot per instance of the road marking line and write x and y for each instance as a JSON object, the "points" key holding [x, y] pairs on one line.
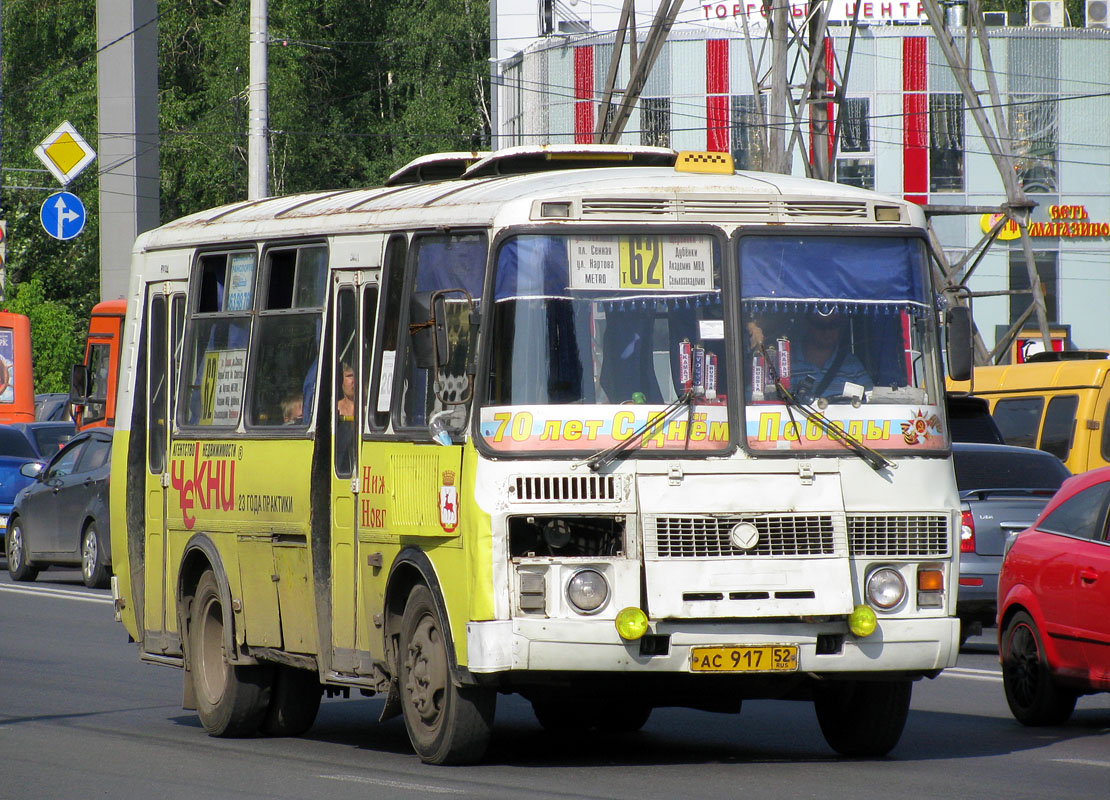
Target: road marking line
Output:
{"points": [[66, 594], [1083, 761], [419, 787], [968, 673]]}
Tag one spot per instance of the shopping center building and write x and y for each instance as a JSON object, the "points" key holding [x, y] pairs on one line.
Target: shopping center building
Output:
{"points": [[904, 126]]}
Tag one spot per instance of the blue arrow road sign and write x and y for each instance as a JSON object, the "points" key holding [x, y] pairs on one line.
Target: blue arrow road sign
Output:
{"points": [[63, 215]]}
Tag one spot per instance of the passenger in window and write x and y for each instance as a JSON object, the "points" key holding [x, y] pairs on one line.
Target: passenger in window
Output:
{"points": [[345, 421], [292, 409], [822, 361]]}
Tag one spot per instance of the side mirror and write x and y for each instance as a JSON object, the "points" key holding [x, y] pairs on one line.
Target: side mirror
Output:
{"points": [[78, 384], [420, 330], [958, 343], [439, 318], [31, 469]]}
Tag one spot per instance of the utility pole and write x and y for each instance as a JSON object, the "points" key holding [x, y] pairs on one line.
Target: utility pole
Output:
{"points": [[258, 124], [127, 107]]}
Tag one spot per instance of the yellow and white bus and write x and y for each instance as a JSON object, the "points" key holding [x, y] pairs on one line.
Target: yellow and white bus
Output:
{"points": [[612, 428]]}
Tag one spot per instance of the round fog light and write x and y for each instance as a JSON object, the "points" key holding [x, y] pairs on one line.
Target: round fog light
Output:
{"points": [[862, 621], [587, 590], [632, 623], [885, 588]]}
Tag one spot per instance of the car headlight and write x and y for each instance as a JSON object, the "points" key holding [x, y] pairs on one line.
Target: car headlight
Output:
{"points": [[885, 588], [587, 590]]}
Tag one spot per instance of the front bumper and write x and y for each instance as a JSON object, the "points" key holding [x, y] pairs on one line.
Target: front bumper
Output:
{"points": [[898, 645]]}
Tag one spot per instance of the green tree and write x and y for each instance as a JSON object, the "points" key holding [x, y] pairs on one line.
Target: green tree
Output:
{"points": [[55, 335]]}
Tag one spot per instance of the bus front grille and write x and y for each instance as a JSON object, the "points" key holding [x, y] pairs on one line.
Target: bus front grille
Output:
{"points": [[711, 537], [898, 535], [565, 488]]}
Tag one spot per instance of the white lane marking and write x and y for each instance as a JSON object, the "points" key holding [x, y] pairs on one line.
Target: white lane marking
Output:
{"points": [[66, 594], [1083, 761], [968, 673], [418, 787]]}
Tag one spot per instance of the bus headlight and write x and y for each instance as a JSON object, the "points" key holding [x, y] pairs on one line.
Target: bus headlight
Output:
{"points": [[885, 588], [587, 590]]}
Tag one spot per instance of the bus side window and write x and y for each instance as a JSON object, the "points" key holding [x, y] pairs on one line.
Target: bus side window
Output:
{"points": [[455, 261], [286, 346], [1059, 425], [157, 375], [346, 380], [214, 360], [385, 350], [369, 317], [1019, 419]]}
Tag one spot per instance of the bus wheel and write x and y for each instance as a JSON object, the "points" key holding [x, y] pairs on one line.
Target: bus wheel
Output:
{"points": [[231, 700], [294, 701], [862, 718], [18, 567], [447, 724]]}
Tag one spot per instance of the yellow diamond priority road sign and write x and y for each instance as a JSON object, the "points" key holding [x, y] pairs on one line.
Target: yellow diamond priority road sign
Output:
{"points": [[65, 153]]}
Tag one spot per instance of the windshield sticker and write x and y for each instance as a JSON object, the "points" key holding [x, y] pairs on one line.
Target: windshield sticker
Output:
{"points": [[641, 263], [770, 427], [555, 428], [240, 282]]}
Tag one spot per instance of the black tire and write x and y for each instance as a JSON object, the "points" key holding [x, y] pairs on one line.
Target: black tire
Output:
{"points": [[1033, 696], [862, 719], [447, 724], [231, 700], [95, 572], [294, 702], [16, 547]]}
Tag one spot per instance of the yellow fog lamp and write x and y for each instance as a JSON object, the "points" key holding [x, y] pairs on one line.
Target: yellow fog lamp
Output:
{"points": [[632, 623], [862, 621]]}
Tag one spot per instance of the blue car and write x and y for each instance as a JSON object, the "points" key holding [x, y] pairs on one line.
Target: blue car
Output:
{"points": [[15, 451], [46, 437]]}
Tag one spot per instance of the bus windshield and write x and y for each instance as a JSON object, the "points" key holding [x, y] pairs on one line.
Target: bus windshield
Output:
{"points": [[594, 336], [843, 325]]}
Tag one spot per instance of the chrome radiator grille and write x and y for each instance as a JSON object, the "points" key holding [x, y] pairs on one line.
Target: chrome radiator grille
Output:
{"points": [[898, 535], [708, 537]]}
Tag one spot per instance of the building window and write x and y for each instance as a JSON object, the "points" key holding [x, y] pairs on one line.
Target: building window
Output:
{"points": [[855, 125], [655, 122], [514, 102], [1033, 129], [946, 143], [856, 172], [1047, 271], [747, 139]]}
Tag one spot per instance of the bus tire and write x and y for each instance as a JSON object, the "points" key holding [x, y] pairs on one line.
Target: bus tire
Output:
{"points": [[1032, 694], [294, 701], [231, 700], [862, 719], [16, 547], [447, 724]]}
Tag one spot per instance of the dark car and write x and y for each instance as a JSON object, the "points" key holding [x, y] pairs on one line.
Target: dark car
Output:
{"points": [[52, 407], [970, 420], [1054, 604], [1002, 490], [46, 437], [62, 517], [15, 451]]}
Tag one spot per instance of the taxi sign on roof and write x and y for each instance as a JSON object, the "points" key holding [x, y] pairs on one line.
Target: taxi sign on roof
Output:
{"points": [[65, 153]]}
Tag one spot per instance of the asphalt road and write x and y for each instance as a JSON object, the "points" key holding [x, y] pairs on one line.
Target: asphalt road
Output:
{"points": [[81, 717]]}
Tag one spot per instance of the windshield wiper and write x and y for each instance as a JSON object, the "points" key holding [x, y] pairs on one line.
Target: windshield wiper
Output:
{"points": [[603, 457], [871, 457]]}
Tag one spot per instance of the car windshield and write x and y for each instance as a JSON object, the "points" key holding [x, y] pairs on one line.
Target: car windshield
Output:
{"points": [[594, 336], [1009, 469], [14, 443], [842, 325]]}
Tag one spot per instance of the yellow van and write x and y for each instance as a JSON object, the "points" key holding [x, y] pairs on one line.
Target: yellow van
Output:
{"points": [[1057, 402]]}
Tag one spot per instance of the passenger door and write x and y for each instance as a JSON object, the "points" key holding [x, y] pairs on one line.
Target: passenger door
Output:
{"points": [[51, 513], [164, 331], [354, 311]]}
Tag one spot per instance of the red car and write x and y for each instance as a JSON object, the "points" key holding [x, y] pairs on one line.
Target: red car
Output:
{"points": [[1054, 604]]}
